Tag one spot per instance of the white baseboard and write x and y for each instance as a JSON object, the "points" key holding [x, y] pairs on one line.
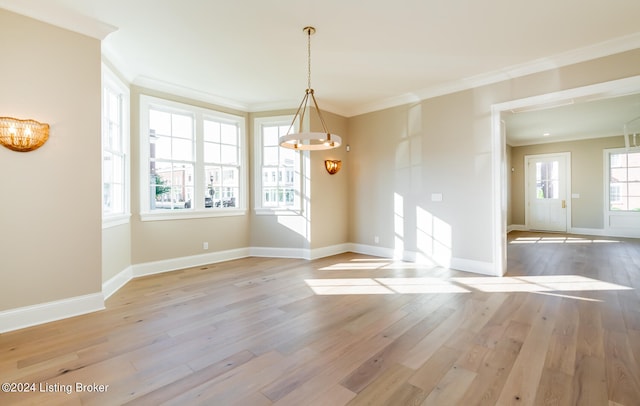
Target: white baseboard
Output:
{"points": [[459, 264], [28, 316], [516, 227], [329, 251], [373, 251], [479, 267], [626, 233], [173, 264], [114, 284], [275, 252]]}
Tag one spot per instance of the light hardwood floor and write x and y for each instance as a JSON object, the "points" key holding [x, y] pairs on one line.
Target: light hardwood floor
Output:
{"points": [[562, 328]]}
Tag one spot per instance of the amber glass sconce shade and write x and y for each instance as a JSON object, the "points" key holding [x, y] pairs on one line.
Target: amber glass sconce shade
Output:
{"points": [[22, 135], [332, 166]]}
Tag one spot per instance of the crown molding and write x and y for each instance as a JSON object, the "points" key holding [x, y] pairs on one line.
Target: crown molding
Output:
{"points": [[177, 90], [63, 18], [599, 50]]}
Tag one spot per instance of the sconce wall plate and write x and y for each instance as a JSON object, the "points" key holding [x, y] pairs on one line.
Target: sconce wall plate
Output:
{"points": [[332, 166], [22, 135]]}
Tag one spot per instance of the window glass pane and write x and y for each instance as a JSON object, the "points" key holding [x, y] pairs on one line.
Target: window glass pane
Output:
{"points": [[618, 175], [547, 180], [211, 131], [160, 184], [618, 196], [211, 152], [270, 156], [231, 177], [618, 160], [107, 167], [634, 159], [106, 198], [634, 175], [266, 179], [118, 168], [229, 154], [182, 126], [634, 194], [182, 149], [114, 138], [160, 122], [287, 157], [270, 135], [114, 107], [229, 134], [161, 148], [117, 199]]}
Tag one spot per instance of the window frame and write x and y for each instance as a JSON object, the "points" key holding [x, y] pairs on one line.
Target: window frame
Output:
{"points": [[110, 82], [607, 182], [200, 114], [298, 209]]}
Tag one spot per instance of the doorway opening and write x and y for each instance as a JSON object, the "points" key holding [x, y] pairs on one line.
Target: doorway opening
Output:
{"points": [[500, 182]]}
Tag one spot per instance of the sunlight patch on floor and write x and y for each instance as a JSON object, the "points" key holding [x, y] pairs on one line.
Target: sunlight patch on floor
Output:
{"points": [[544, 284]]}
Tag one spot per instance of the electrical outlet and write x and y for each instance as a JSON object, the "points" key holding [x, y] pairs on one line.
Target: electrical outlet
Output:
{"points": [[205, 245], [376, 239]]}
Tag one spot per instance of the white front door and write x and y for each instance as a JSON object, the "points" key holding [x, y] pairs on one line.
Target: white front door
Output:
{"points": [[546, 191]]}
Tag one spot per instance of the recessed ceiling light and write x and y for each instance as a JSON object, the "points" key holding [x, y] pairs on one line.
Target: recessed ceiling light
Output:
{"points": [[546, 134]]}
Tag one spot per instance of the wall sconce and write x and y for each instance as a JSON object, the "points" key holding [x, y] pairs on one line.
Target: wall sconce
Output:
{"points": [[22, 135], [332, 166]]}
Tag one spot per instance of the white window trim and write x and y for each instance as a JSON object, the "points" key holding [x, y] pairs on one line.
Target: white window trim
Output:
{"points": [[607, 204], [258, 122], [109, 79], [199, 113]]}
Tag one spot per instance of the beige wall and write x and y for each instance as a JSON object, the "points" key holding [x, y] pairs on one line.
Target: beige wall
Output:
{"points": [[587, 178], [50, 216], [330, 193], [116, 250], [449, 154]]}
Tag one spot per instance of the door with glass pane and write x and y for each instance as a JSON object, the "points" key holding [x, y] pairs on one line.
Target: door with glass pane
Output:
{"points": [[546, 195]]}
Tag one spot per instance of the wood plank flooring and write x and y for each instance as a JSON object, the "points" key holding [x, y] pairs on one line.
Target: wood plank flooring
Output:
{"points": [[562, 328]]}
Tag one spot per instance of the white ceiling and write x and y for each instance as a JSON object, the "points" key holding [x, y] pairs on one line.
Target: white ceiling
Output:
{"points": [[366, 55], [574, 119]]}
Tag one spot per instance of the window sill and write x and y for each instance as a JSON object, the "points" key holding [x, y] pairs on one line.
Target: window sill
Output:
{"points": [[277, 212], [161, 215], [115, 220]]}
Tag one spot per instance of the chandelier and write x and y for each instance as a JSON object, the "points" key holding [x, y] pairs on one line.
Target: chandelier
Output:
{"points": [[308, 140]]}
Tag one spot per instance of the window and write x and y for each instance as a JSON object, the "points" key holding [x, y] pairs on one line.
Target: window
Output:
{"points": [[624, 180], [547, 180], [278, 170], [222, 163], [193, 160], [115, 156]]}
